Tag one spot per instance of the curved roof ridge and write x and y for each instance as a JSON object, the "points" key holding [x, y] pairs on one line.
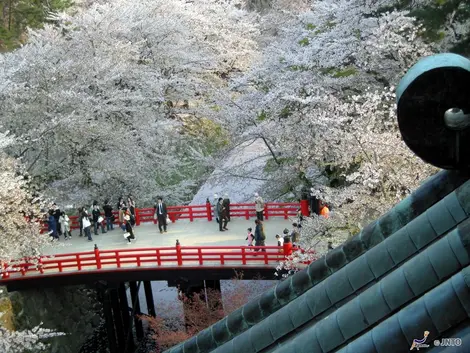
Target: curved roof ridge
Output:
{"points": [[430, 192]]}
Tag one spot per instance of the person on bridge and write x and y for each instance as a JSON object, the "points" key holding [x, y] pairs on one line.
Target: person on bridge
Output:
{"points": [[222, 213], [97, 220], [129, 231], [131, 205], [324, 210], [259, 206], [260, 236], [52, 225], [108, 213], [214, 204], [86, 223], [121, 205], [226, 204], [65, 225], [161, 212], [250, 237]]}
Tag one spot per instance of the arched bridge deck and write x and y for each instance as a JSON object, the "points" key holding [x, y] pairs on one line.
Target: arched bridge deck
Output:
{"points": [[204, 253]]}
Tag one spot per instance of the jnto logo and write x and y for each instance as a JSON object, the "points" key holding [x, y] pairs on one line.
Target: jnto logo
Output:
{"points": [[420, 343]]}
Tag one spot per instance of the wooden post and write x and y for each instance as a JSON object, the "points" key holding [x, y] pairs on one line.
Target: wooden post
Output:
{"points": [[139, 328], [304, 207], [118, 320], [126, 318], [179, 258], [97, 257], [108, 314], [149, 298], [266, 213], [209, 210]]}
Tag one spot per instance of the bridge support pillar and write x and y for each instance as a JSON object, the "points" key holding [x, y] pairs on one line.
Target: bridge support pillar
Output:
{"points": [[108, 315], [149, 298], [126, 317], [118, 321], [139, 328]]}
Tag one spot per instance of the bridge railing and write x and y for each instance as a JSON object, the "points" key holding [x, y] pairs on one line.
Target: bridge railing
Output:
{"points": [[206, 211], [158, 258]]}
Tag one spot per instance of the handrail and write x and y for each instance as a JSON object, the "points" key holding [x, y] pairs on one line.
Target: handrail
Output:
{"points": [[158, 258], [192, 212]]}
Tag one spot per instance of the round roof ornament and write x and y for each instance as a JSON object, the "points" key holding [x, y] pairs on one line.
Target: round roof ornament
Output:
{"points": [[433, 109]]}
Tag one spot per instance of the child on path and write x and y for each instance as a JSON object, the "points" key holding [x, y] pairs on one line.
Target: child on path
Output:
{"points": [[280, 242], [250, 237]]}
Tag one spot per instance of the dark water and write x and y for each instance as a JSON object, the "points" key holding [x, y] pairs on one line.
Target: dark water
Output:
{"points": [[168, 306]]}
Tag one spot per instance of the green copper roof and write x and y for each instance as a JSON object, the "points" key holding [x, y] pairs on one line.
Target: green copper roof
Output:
{"points": [[299, 302]]}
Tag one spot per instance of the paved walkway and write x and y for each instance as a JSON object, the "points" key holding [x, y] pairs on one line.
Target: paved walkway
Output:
{"points": [[199, 232]]}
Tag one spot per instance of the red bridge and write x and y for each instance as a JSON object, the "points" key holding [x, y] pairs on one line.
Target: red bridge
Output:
{"points": [[112, 258]]}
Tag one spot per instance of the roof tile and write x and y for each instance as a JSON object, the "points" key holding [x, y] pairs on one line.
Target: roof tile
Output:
{"points": [[379, 260], [453, 205], [338, 286], [263, 337], [395, 290], [279, 324], [440, 218], [421, 231], [236, 323], [373, 304], [317, 299], [318, 271], [352, 320], [353, 248], [359, 273], [220, 332], [400, 246]]}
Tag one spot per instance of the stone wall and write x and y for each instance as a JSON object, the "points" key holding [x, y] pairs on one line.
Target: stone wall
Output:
{"points": [[74, 310]]}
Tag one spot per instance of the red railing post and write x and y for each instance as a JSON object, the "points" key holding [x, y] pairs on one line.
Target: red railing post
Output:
{"points": [[209, 211], [159, 260], [79, 264], [304, 208], [41, 270], [243, 256], [137, 217], [199, 254], [97, 257], [191, 216], [4, 267], [247, 214], [179, 257], [118, 259], [266, 212]]}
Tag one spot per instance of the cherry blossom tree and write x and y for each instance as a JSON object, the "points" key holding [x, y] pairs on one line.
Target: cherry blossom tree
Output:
{"points": [[20, 216], [322, 98], [102, 97]]}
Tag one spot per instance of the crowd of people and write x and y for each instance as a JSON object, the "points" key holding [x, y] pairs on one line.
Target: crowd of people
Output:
{"points": [[103, 219], [221, 206]]}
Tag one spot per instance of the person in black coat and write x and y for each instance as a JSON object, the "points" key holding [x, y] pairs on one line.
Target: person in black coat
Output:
{"points": [[108, 213], [161, 212], [56, 214], [226, 204]]}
